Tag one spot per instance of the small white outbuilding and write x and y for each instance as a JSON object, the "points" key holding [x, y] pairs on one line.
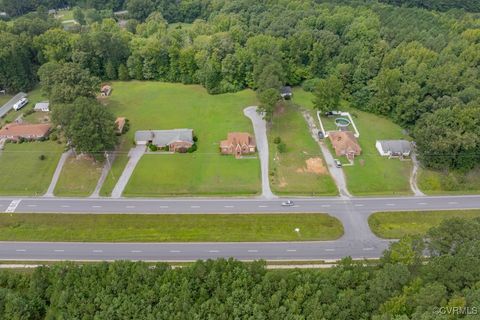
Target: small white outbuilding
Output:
{"points": [[42, 106]]}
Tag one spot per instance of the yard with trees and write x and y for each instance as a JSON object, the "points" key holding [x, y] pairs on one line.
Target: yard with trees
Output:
{"points": [[156, 105], [412, 65]]}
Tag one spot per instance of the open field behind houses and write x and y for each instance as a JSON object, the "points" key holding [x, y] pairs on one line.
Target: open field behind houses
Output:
{"points": [[157, 105]]}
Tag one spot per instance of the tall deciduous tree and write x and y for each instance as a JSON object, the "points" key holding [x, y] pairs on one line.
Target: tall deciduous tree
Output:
{"points": [[328, 93], [63, 83], [88, 125]]}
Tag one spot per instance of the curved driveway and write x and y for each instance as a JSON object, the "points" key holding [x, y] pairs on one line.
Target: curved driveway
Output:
{"points": [[358, 241]]}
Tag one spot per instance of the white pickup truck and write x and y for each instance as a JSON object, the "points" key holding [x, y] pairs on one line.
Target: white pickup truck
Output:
{"points": [[20, 104]]}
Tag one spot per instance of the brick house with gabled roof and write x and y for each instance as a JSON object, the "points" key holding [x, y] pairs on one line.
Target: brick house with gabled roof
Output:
{"points": [[17, 131], [238, 144], [345, 144]]}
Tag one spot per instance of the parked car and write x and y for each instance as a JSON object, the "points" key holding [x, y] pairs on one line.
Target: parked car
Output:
{"points": [[321, 135], [338, 164], [288, 203], [20, 104]]}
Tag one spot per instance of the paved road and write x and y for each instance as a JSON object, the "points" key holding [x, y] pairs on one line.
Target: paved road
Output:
{"points": [[9, 105], [260, 128], [358, 241]]}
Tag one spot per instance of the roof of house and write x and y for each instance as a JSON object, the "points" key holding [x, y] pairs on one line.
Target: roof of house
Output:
{"points": [[396, 146], [41, 105], [25, 130], [344, 142], [286, 90], [165, 137], [238, 138]]}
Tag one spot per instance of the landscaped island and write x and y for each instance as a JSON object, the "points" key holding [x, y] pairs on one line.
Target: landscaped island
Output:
{"points": [[169, 227]]}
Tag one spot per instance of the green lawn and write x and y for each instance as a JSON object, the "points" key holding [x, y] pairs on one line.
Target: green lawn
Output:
{"points": [[4, 98], [156, 105], [22, 172], [371, 174], [301, 170], [79, 177], [168, 228], [394, 225], [452, 182]]}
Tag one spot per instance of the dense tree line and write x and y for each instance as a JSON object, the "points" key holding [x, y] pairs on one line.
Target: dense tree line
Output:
{"points": [[400, 287], [404, 63], [442, 5]]}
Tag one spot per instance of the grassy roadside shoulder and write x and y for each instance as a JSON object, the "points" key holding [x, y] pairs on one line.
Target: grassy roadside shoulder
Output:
{"points": [[169, 228], [394, 225]]}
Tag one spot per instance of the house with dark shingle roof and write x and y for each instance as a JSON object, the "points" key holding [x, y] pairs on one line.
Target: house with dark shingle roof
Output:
{"points": [[394, 148], [177, 140]]}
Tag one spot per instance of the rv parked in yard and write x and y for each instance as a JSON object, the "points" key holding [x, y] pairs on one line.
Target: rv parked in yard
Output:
{"points": [[20, 104]]}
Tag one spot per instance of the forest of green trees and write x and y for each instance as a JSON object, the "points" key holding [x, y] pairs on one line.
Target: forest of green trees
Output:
{"points": [[400, 287], [418, 67]]}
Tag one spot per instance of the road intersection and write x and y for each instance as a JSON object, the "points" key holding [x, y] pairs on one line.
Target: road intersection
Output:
{"points": [[357, 242]]}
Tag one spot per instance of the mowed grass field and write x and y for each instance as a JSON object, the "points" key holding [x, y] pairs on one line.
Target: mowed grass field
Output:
{"points": [[78, 177], [301, 170], [394, 225], [156, 105], [453, 182], [168, 228], [371, 174], [22, 171]]}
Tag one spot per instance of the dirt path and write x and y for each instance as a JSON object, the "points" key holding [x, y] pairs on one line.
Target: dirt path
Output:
{"points": [[413, 177]]}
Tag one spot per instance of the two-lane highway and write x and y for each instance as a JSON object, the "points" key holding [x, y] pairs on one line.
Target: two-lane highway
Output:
{"points": [[358, 240]]}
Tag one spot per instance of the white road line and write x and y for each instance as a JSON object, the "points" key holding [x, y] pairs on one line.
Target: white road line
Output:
{"points": [[422, 203], [13, 206], [194, 207], [97, 251], [359, 205], [130, 207], [330, 250], [367, 249], [213, 251], [32, 205], [65, 206], [163, 207], [59, 250], [325, 205], [96, 206], [263, 206], [252, 251], [390, 204], [453, 202], [20, 250], [291, 250], [136, 251], [175, 251], [228, 206]]}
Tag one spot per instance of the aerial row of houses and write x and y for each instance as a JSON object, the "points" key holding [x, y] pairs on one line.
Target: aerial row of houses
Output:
{"points": [[180, 140]]}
